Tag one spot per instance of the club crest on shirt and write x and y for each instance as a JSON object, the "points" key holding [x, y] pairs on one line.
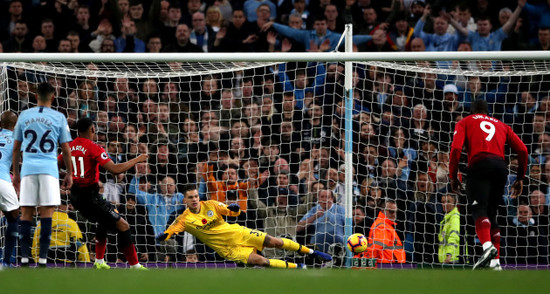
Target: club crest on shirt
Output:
{"points": [[210, 213]]}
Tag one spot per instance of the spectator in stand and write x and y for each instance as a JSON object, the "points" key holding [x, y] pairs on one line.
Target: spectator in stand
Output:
{"points": [[400, 34], [140, 228], [525, 239], [38, 44], [384, 242], [483, 39], [74, 38], [446, 111], [334, 23], [394, 187], [214, 18], [159, 206], [543, 39], [202, 34], [424, 213], [144, 25], [327, 219], [182, 43], [64, 46], [463, 17], [168, 29], [318, 39], [47, 29], [282, 187], [193, 6], [449, 234], [83, 27], [368, 22], [538, 15], [15, 10], [154, 44], [19, 41], [103, 32], [280, 220], [417, 45], [250, 8], [238, 36], [300, 12], [128, 42], [539, 208], [440, 40]]}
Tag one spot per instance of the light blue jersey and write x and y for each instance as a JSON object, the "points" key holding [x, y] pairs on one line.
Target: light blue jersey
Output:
{"points": [[6, 150], [40, 129]]}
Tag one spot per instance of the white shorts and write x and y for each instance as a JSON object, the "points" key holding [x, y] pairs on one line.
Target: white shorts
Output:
{"points": [[8, 197], [39, 190]]}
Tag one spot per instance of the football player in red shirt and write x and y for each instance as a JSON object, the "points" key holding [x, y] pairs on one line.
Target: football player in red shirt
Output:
{"points": [[484, 139], [87, 156]]}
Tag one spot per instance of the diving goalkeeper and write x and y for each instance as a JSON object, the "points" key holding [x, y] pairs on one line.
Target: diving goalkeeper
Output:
{"points": [[204, 220]]}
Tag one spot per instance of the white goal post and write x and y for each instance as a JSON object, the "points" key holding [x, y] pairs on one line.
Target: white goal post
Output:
{"points": [[356, 106]]}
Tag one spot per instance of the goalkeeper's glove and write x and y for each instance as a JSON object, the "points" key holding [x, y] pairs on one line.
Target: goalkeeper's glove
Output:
{"points": [[163, 236], [234, 207]]}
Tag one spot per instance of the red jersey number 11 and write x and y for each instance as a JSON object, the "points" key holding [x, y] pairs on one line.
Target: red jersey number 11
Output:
{"points": [[76, 169]]}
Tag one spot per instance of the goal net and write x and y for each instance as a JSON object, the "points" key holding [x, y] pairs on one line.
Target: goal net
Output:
{"points": [[270, 137]]}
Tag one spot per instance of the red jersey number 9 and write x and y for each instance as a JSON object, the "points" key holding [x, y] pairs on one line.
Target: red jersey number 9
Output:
{"points": [[488, 128]]}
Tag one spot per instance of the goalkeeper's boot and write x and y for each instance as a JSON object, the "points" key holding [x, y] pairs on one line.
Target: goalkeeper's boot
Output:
{"points": [[485, 257], [101, 265], [301, 266], [322, 255]]}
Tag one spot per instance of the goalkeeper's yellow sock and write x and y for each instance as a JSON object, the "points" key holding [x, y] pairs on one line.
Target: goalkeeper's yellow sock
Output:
{"points": [[293, 246], [277, 263]]}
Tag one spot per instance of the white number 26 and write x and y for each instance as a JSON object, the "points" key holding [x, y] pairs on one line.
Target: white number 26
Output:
{"points": [[488, 128]]}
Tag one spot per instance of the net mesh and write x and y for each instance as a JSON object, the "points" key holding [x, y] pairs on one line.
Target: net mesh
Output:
{"points": [[282, 124]]}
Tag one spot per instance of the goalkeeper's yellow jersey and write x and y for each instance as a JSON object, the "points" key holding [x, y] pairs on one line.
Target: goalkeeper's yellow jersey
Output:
{"points": [[209, 226]]}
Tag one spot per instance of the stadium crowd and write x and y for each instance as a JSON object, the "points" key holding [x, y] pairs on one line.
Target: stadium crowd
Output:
{"points": [[270, 138]]}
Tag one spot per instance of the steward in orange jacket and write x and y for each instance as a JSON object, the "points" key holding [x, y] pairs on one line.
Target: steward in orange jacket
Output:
{"points": [[384, 243]]}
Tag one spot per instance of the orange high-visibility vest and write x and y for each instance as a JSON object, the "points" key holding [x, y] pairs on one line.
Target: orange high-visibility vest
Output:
{"points": [[384, 243]]}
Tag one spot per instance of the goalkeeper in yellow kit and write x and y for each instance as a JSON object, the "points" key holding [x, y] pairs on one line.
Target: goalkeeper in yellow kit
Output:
{"points": [[204, 220]]}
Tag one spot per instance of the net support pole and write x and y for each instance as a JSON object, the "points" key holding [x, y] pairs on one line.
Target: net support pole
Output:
{"points": [[348, 140]]}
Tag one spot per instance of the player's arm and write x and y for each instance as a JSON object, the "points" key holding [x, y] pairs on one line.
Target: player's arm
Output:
{"points": [[16, 158], [519, 147], [456, 149], [68, 179], [117, 168], [232, 209], [176, 227]]}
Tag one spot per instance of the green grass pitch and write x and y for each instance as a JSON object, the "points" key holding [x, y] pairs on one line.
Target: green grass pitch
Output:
{"points": [[123, 281]]}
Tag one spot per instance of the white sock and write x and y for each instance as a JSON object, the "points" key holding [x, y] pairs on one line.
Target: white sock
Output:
{"points": [[137, 265], [486, 245], [24, 260], [494, 262], [100, 260], [42, 260]]}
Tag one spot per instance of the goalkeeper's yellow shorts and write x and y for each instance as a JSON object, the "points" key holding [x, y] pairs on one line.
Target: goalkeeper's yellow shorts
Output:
{"points": [[250, 241]]}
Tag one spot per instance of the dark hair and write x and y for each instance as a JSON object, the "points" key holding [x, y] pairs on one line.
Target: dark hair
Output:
{"points": [[479, 106], [189, 187], [84, 124], [45, 91]]}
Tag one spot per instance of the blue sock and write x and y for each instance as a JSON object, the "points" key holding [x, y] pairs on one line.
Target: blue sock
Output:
{"points": [[25, 235], [45, 236], [11, 239]]}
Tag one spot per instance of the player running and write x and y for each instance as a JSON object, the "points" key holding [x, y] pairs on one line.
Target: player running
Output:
{"points": [[485, 138], [86, 157], [204, 220], [38, 132], [8, 198]]}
